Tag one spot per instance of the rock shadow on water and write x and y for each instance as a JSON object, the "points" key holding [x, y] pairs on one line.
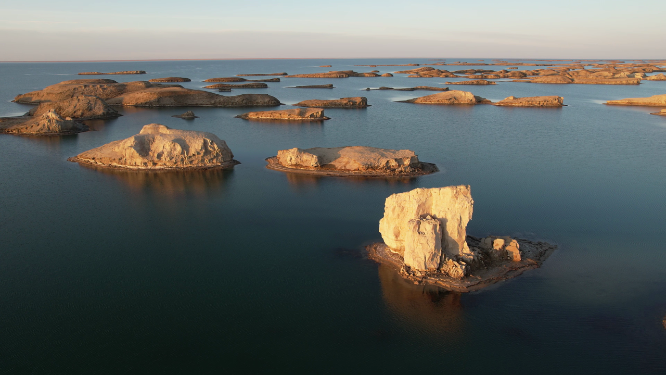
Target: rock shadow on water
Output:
{"points": [[200, 183], [303, 181]]}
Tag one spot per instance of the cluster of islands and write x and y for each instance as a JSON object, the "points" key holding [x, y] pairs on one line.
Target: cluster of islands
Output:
{"points": [[423, 230]]}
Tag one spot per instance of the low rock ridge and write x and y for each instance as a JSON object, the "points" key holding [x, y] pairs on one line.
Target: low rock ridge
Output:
{"points": [[478, 82], [80, 107], [532, 101], [48, 123], [327, 86], [113, 73], [660, 113], [425, 239], [239, 79], [656, 77], [182, 97], [350, 161], [189, 115], [449, 98], [656, 100], [261, 74], [253, 85], [334, 74], [353, 102], [297, 114], [158, 147], [427, 72], [423, 88], [170, 79]]}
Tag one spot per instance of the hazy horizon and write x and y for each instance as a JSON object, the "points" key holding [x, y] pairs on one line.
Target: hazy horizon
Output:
{"points": [[84, 31]]}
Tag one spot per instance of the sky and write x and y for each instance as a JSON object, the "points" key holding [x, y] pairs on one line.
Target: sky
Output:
{"points": [[70, 30]]}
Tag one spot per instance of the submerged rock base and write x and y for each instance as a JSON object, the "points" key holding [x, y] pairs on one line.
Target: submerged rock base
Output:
{"points": [[488, 270]]}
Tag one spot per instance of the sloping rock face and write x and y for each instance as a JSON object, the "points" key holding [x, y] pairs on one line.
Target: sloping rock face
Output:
{"points": [[352, 158], [253, 85], [656, 100], [170, 79], [449, 98], [182, 97], [159, 147], [533, 101], [49, 123], [81, 107], [656, 77], [355, 102], [452, 206], [478, 82], [298, 114], [102, 88]]}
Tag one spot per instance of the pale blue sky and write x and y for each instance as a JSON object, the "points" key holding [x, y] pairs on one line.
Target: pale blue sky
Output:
{"points": [[83, 30]]}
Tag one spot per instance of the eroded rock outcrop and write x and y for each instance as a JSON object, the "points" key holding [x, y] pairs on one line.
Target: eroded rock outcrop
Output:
{"points": [[656, 100], [298, 114], [449, 98], [252, 85], [425, 238], [80, 107], [113, 73], [350, 161], [417, 88], [261, 74], [170, 79], [102, 88], [478, 82], [355, 102], [334, 74], [532, 101], [189, 115], [48, 123], [660, 113], [182, 97], [656, 77], [159, 147]]}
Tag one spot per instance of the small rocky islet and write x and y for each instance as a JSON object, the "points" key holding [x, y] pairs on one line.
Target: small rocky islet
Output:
{"points": [[351, 102], [296, 114]]}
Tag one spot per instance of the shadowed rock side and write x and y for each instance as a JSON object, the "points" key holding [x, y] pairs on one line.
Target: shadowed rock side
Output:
{"points": [[656, 100], [113, 73], [170, 79], [355, 102], [478, 82], [81, 107], [298, 114], [49, 123], [533, 101], [189, 115], [660, 113], [656, 77], [423, 88], [328, 86], [350, 161], [182, 97], [261, 74], [253, 85], [335, 74], [449, 98], [425, 239], [159, 147]]}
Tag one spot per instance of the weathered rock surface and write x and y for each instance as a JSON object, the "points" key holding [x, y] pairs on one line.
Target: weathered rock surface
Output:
{"points": [[449, 98], [660, 113], [533, 101], [479, 82], [170, 79], [253, 85], [189, 115], [656, 77], [334, 74], [159, 147], [298, 114], [328, 86], [656, 100], [81, 107], [182, 97], [226, 79], [387, 75], [261, 74], [423, 88], [351, 160], [355, 102], [102, 88], [424, 233], [325, 66], [113, 73], [48, 123]]}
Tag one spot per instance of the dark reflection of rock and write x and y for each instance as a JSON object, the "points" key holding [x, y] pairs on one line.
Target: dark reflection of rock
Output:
{"points": [[425, 309], [303, 180], [198, 183]]}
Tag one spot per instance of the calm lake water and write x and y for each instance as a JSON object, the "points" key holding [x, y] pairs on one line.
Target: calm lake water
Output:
{"points": [[258, 271]]}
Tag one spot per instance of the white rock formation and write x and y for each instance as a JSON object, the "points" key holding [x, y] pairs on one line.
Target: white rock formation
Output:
{"points": [[407, 227], [353, 158], [159, 147]]}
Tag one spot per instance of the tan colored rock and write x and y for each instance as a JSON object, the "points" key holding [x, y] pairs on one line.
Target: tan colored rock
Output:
{"points": [[81, 107], [656, 77], [159, 147], [325, 66], [261, 74], [451, 205], [182, 97], [532, 101], [656, 100], [387, 75], [170, 79], [556, 79], [423, 244], [226, 79], [472, 82], [449, 98], [113, 73], [417, 88], [355, 102], [660, 113], [103, 88], [501, 248], [48, 123], [252, 85], [328, 86], [189, 115], [350, 158], [334, 74], [298, 114]]}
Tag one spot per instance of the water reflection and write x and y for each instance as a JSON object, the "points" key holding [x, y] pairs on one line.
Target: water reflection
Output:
{"points": [[197, 183], [304, 181], [425, 309]]}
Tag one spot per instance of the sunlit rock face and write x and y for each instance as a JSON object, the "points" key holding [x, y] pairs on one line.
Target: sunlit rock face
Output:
{"points": [[449, 98], [49, 123], [351, 158], [159, 147], [656, 100], [81, 107], [353, 102], [532, 101], [297, 114]]}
